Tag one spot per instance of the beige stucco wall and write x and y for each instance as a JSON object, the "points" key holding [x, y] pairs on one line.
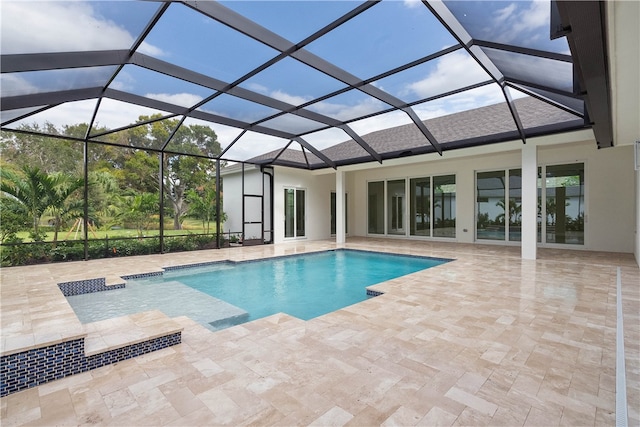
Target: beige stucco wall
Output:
{"points": [[611, 193], [318, 201], [609, 180]]}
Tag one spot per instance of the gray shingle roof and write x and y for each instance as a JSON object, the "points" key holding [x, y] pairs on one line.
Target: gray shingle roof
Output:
{"points": [[484, 125]]}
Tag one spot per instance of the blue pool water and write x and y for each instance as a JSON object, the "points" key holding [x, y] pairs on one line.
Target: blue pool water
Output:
{"points": [[304, 286], [226, 293]]}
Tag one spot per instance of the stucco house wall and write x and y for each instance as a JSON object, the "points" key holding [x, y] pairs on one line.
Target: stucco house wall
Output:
{"points": [[611, 201]]}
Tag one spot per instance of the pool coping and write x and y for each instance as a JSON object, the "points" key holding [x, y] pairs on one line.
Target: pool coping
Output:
{"points": [[35, 364]]}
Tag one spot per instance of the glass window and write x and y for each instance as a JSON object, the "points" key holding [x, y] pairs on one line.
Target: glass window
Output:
{"points": [[376, 207], [515, 205], [499, 209], [565, 204], [540, 210], [300, 213], [420, 207], [491, 205], [444, 206], [294, 212], [395, 207]]}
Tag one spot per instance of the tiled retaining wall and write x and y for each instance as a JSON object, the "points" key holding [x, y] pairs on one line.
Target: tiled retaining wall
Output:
{"points": [[88, 286], [31, 368], [37, 366]]}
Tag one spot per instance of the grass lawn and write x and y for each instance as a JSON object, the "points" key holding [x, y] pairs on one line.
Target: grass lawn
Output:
{"points": [[189, 226]]}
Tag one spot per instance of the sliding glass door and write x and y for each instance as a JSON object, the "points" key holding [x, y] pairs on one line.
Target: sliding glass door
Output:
{"points": [[564, 204], [561, 202], [395, 207], [420, 206], [294, 212], [429, 210]]}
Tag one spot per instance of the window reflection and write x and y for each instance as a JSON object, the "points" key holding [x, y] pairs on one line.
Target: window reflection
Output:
{"points": [[564, 203], [444, 206]]}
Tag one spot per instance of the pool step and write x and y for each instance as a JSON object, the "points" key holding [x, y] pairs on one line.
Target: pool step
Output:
{"points": [[106, 342], [111, 334]]}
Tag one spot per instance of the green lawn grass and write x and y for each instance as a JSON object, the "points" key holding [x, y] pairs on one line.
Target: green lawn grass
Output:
{"points": [[190, 226]]}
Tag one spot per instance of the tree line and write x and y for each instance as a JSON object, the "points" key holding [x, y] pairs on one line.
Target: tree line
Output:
{"points": [[44, 176]]}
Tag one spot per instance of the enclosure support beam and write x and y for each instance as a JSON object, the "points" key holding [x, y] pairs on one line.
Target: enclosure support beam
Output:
{"points": [[85, 167], [161, 200], [340, 207], [529, 201], [218, 193]]}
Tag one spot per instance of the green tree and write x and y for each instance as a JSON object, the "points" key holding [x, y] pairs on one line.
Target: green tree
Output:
{"points": [[202, 205], [103, 197], [139, 210], [60, 202], [30, 187], [13, 214], [48, 154], [39, 192], [181, 172]]}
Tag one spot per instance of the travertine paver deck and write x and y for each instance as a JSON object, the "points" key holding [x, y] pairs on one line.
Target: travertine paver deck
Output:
{"points": [[488, 339]]}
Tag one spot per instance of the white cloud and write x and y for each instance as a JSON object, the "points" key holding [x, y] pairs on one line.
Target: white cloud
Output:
{"points": [[380, 122], [150, 49], [517, 23], [412, 4], [345, 112], [181, 99], [290, 99], [29, 27], [503, 14], [13, 84], [452, 71], [326, 138], [112, 114], [257, 88], [464, 101], [253, 144]]}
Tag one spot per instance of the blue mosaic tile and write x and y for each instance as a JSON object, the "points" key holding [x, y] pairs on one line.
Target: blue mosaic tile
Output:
{"points": [[142, 275], [87, 286], [37, 366], [372, 293]]}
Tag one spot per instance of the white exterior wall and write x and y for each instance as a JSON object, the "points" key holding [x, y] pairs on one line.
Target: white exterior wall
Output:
{"points": [[609, 197], [232, 201], [612, 190], [611, 204], [318, 201]]}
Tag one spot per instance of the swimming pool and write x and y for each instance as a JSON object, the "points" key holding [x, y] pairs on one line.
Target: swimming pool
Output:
{"points": [[226, 293]]}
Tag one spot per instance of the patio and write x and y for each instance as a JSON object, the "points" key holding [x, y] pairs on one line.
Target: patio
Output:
{"points": [[489, 339]]}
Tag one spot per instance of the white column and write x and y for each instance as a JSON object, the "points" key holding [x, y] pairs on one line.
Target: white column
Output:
{"points": [[529, 201], [340, 214]]}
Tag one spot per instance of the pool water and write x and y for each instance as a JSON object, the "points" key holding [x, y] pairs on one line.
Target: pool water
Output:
{"points": [[303, 286]]}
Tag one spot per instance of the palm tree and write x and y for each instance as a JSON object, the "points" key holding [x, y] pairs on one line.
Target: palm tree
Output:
{"points": [[61, 188], [31, 188], [40, 192], [515, 210]]}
